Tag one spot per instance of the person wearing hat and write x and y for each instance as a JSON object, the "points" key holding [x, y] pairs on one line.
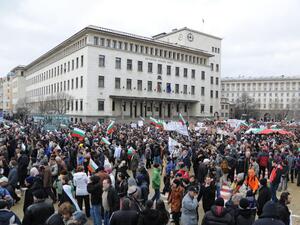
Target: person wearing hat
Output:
{"points": [[39, 211], [175, 199], [189, 207], [218, 214], [244, 213], [264, 195], [6, 215], [269, 215], [4, 193]]}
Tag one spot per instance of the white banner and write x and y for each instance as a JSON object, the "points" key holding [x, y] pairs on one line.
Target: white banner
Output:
{"points": [[133, 125], [140, 123], [171, 144], [176, 126]]}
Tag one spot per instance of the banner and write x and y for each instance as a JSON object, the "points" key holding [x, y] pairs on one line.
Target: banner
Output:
{"points": [[140, 123], [133, 125], [171, 144], [176, 126]]}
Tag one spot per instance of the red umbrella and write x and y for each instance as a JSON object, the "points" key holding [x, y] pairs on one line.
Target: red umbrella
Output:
{"points": [[285, 132], [267, 131]]}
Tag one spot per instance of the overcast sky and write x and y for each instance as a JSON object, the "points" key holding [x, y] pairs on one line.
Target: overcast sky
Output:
{"points": [[260, 37]]}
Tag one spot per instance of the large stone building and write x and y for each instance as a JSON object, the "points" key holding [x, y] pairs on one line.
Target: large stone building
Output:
{"points": [[7, 98], [18, 84], [274, 97], [100, 73]]}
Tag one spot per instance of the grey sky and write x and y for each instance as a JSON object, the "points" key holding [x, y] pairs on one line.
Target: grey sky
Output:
{"points": [[261, 37]]}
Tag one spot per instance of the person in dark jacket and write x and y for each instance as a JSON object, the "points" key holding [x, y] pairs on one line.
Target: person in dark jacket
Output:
{"points": [[110, 200], [164, 215], [40, 211], [6, 215], [208, 194], [149, 216], [218, 215], [95, 189], [64, 214], [283, 210], [264, 195], [202, 171], [23, 162], [275, 179], [269, 215], [125, 216], [13, 179], [245, 215], [32, 183]]}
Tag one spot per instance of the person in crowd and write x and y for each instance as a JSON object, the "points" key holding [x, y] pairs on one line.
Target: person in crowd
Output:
{"points": [[7, 216], [163, 214], [149, 216], [39, 211], [80, 181], [63, 215], [110, 200], [134, 163], [275, 178], [263, 158], [218, 214], [207, 193], [189, 207], [78, 218], [124, 216], [264, 195], [269, 215], [47, 179], [245, 214], [156, 182], [252, 181], [282, 209], [13, 179], [175, 199], [95, 190]]}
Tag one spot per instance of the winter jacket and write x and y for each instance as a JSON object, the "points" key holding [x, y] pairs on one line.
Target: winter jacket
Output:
{"points": [[124, 217], [13, 177], [251, 181], [47, 177], [122, 188], [95, 189], [149, 217], [218, 215], [175, 198], [276, 173], [55, 219], [134, 163], [270, 215], [284, 213], [189, 210], [80, 181], [208, 195], [156, 178], [264, 196], [38, 213], [263, 158], [8, 217], [244, 217]]}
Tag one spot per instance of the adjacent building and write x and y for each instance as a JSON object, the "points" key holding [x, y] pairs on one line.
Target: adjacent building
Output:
{"points": [[275, 97], [101, 73], [18, 83]]}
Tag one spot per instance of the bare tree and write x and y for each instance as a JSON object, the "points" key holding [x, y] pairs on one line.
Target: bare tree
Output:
{"points": [[55, 104], [245, 105], [22, 108]]}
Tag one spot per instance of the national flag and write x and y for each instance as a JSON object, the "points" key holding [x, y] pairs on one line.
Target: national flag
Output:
{"points": [[130, 150], [92, 167], [157, 123], [110, 127], [181, 119], [104, 140], [78, 133]]}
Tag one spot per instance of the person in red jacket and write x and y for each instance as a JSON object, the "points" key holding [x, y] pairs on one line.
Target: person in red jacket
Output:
{"points": [[263, 159]]}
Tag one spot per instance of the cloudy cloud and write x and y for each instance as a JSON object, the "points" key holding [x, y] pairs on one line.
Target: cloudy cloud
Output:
{"points": [[261, 37]]}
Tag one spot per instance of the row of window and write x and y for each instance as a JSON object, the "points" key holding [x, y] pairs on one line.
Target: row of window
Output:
{"points": [[153, 51], [59, 70], [159, 70], [265, 94], [215, 49], [212, 67], [57, 87], [258, 86], [75, 105]]}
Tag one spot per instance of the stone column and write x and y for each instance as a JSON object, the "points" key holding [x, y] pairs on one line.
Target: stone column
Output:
{"points": [[153, 108], [188, 111], [171, 108], [163, 110], [121, 108], [133, 109]]}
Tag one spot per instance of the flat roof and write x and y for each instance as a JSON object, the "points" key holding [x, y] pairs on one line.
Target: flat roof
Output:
{"points": [[260, 78]]}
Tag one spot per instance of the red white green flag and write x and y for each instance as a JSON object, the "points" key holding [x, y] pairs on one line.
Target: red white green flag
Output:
{"points": [[78, 133], [105, 141], [92, 167], [181, 119], [157, 123], [110, 128]]}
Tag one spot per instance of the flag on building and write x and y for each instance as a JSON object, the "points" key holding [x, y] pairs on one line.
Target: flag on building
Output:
{"points": [[92, 167], [169, 88], [181, 119], [104, 140], [110, 128], [78, 133]]}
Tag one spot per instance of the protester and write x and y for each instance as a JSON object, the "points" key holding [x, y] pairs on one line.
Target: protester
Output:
{"points": [[156, 182], [189, 207], [7, 216], [245, 214], [269, 215], [264, 195], [110, 200], [95, 189], [124, 216], [163, 214], [175, 199], [282, 210], [149, 216], [63, 215]]}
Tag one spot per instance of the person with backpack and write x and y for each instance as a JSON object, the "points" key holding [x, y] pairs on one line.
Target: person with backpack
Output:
{"points": [[275, 178]]}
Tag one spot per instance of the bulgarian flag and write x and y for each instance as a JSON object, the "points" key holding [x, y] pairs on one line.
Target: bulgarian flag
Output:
{"points": [[155, 122], [130, 150], [92, 167], [104, 140], [181, 119], [78, 133], [110, 127]]}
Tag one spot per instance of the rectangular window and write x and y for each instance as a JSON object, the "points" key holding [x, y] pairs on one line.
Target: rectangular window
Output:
{"points": [[140, 66], [76, 105], [113, 106], [72, 64], [102, 41], [81, 105], [129, 64], [81, 81], [118, 83], [212, 67], [193, 74], [184, 89], [128, 84], [202, 75], [211, 109], [140, 85], [211, 80], [211, 94], [101, 61], [185, 72], [64, 85], [176, 88], [202, 108], [159, 68], [217, 94], [108, 43], [217, 81], [72, 84], [158, 86], [77, 63], [72, 105], [76, 83], [202, 91], [118, 63], [101, 81], [81, 61], [168, 88], [177, 71], [217, 67], [149, 85], [100, 105], [168, 70], [150, 65], [192, 90], [68, 85], [68, 68], [96, 40]]}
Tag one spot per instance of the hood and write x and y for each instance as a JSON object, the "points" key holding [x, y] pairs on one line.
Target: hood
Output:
{"points": [[218, 211], [247, 213], [5, 215], [270, 210]]}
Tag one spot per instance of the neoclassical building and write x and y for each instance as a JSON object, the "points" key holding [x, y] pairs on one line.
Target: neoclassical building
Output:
{"points": [[101, 73]]}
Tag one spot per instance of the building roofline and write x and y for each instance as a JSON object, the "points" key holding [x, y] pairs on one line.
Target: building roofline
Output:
{"points": [[185, 28], [113, 32], [270, 78]]}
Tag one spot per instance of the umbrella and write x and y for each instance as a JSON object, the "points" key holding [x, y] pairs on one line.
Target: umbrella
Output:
{"points": [[254, 130], [267, 131], [285, 132]]}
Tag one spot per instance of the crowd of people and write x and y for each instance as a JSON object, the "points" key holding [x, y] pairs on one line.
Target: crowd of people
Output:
{"points": [[134, 176]]}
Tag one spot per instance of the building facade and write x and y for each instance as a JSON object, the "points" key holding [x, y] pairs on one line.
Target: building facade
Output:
{"points": [[7, 94], [274, 97], [227, 109], [18, 82], [100, 73]]}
